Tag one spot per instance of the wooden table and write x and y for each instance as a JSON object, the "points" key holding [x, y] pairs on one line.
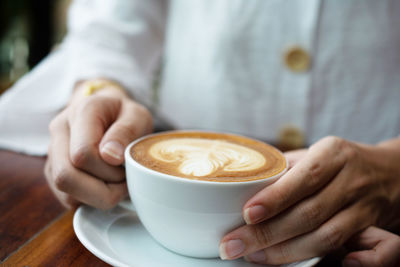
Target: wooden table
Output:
{"points": [[35, 230]]}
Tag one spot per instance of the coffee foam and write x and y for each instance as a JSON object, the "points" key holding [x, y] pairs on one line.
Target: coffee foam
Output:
{"points": [[209, 156], [203, 157]]}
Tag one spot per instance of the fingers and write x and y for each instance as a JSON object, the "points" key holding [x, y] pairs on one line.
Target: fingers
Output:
{"points": [[88, 124], [132, 122], [377, 248], [66, 200], [303, 217], [56, 126], [68, 181], [295, 156], [321, 163], [328, 237]]}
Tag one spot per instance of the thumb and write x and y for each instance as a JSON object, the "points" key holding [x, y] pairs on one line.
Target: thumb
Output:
{"points": [[133, 121], [377, 247], [295, 156]]}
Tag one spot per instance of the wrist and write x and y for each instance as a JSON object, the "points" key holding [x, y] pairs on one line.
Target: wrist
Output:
{"points": [[98, 87], [386, 157]]}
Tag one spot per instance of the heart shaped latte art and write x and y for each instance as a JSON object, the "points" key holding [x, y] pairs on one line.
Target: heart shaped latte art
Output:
{"points": [[202, 157]]}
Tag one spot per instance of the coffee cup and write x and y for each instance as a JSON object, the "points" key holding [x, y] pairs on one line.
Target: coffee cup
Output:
{"points": [[189, 187]]}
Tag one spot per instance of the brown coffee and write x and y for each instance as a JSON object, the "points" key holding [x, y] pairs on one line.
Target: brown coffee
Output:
{"points": [[209, 156]]}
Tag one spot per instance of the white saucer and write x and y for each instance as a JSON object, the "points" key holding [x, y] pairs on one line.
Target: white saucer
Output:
{"points": [[118, 238]]}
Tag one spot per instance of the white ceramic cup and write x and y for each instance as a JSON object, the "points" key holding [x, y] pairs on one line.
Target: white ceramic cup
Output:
{"points": [[188, 216]]}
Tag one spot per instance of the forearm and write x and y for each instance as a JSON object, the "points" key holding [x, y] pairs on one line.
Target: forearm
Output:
{"points": [[393, 144], [388, 156]]}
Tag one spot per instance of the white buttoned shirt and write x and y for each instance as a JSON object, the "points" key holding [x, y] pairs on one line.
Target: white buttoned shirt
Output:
{"points": [[223, 65]]}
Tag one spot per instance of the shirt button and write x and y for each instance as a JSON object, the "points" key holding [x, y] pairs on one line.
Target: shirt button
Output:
{"points": [[290, 137], [297, 59]]}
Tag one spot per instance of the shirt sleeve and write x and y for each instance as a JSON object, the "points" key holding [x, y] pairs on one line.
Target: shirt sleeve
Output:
{"points": [[120, 40]]}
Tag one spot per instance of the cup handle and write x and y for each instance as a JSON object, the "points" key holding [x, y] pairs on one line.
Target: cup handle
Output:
{"points": [[127, 204]]}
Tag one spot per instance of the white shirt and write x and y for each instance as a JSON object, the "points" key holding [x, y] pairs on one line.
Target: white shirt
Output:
{"points": [[223, 68]]}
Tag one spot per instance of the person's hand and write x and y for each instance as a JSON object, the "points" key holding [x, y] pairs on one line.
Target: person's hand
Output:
{"points": [[86, 151], [373, 247], [334, 190]]}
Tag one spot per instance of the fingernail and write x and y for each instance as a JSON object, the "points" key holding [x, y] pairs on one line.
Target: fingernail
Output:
{"points": [[113, 149], [258, 256], [254, 214], [351, 263], [231, 249]]}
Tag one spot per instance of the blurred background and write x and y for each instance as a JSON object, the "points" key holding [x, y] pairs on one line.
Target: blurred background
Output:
{"points": [[29, 30]]}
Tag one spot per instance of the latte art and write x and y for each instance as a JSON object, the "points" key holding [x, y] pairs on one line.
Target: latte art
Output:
{"points": [[203, 157], [207, 156]]}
